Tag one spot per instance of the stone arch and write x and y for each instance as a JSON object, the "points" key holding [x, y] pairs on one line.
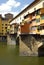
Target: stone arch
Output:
{"points": [[41, 51]]}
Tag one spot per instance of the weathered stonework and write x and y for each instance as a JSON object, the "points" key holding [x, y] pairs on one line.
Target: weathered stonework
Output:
{"points": [[28, 45], [11, 40]]}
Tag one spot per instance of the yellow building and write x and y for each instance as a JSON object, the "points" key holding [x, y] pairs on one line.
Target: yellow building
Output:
{"points": [[36, 21], [0, 24], [40, 21], [4, 26], [4, 23]]}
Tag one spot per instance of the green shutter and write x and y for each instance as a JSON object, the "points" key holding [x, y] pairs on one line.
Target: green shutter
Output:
{"points": [[42, 17], [38, 20]]}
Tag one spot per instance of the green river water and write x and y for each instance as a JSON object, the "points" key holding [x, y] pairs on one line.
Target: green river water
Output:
{"points": [[9, 55]]}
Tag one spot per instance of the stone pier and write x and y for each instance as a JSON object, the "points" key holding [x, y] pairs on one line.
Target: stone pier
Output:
{"points": [[29, 45], [11, 39]]}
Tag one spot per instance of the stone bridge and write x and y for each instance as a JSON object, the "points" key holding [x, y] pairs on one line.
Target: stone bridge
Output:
{"points": [[30, 45]]}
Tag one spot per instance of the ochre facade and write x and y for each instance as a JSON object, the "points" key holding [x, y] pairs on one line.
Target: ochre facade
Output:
{"points": [[4, 23]]}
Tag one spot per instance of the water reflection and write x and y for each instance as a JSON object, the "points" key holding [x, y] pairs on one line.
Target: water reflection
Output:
{"points": [[9, 55], [41, 61]]}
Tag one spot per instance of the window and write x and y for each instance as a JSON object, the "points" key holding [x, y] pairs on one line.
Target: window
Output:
{"points": [[2, 33], [41, 27], [37, 12], [33, 28], [6, 24], [33, 14], [2, 30], [38, 20], [5, 27], [2, 24], [38, 28], [42, 17]]}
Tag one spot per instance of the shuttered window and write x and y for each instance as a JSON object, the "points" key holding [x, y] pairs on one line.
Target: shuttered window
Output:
{"points": [[42, 17], [38, 20], [37, 12]]}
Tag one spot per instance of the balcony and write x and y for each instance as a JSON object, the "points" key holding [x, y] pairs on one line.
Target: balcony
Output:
{"points": [[33, 23], [42, 29], [41, 32], [42, 25], [42, 22], [33, 29], [28, 17], [33, 16], [26, 20], [42, 11], [42, 19]]}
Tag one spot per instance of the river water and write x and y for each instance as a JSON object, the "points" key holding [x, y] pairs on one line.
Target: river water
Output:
{"points": [[9, 55]]}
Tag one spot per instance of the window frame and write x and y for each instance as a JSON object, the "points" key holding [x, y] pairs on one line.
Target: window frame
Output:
{"points": [[38, 20], [42, 17]]}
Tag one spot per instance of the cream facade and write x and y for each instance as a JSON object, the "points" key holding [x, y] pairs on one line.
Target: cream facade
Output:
{"points": [[11, 29], [34, 6]]}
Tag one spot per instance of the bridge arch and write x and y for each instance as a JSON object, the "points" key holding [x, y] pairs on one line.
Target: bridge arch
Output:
{"points": [[41, 51]]}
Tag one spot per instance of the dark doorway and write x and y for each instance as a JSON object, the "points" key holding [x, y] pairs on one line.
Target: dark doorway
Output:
{"points": [[41, 51]]}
